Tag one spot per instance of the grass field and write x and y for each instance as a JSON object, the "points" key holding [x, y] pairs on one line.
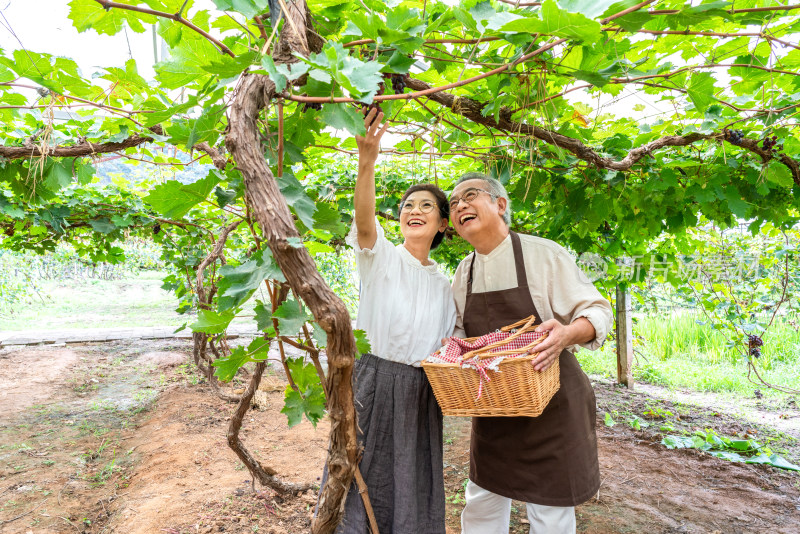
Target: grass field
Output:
{"points": [[678, 352], [134, 301]]}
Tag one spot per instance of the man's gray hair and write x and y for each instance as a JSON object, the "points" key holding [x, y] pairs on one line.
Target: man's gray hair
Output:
{"points": [[495, 188]]}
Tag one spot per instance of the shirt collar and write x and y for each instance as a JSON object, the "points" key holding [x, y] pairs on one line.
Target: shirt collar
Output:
{"points": [[504, 245], [414, 262]]}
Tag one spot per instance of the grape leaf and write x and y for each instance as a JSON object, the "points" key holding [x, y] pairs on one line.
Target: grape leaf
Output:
{"points": [[329, 219], [224, 196], [263, 317], [103, 225], [291, 317], [701, 90], [320, 336], [342, 117], [187, 63], [228, 366], [248, 8], [58, 174], [362, 342], [211, 322], [311, 404], [556, 21], [88, 14], [778, 173], [310, 400], [204, 127], [258, 349], [304, 374], [296, 197], [238, 283], [281, 74], [173, 200]]}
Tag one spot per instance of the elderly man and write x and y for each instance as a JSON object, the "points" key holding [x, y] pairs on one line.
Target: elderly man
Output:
{"points": [[550, 461]]}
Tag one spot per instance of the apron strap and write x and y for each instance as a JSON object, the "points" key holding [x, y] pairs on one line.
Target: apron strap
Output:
{"points": [[469, 280], [519, 264], [519, 261]]}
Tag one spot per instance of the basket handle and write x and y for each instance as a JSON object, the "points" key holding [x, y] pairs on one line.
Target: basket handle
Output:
{"points": [[482, 355], [527, 322]]}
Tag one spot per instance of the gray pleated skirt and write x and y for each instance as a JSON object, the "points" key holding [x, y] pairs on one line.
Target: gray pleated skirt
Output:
{"points": [[400, 429]]}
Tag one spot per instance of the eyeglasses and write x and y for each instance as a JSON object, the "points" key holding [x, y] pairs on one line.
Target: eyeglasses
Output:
{"points": [[424, 206], [468, 196]]}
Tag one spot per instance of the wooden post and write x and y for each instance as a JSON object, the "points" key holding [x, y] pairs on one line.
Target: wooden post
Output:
{"points": [[624, 338]]}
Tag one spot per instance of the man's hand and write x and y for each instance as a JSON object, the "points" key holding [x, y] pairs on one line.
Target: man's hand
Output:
{"points": [[549, 349], [558, 338]]}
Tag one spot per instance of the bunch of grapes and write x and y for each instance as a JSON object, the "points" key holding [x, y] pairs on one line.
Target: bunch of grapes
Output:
{"points": [[735, 137], [399, 83], [374, 105], [770, 142], [311, 105], [753, 343]]}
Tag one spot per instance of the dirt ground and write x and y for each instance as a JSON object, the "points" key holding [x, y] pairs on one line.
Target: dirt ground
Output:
{"points": [[126, 438]]}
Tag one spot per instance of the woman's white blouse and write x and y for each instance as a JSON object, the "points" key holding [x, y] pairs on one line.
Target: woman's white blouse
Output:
{"points": [[405, 308]]}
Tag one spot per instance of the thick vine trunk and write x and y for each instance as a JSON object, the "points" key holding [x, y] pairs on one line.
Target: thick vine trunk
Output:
{"points": [[272, 213]]}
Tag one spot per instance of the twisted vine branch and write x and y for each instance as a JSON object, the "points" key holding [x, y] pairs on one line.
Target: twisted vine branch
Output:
{"points": [[177, 17], [471, 109]]}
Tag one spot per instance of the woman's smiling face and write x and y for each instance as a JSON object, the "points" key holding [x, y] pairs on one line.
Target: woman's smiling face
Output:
{"points": [[415, 224]]}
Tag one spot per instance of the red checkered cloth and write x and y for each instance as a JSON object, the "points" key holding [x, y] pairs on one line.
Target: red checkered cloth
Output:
{"points": [[457, 347]]}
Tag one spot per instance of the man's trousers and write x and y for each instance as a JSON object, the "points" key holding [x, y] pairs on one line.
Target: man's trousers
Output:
{"points": [[489, 513]]}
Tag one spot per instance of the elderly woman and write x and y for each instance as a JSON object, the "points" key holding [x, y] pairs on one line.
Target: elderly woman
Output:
{"points": [[406, 307]]}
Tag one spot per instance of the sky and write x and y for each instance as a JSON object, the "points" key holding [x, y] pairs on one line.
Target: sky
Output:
{"points": [[43, 26]]}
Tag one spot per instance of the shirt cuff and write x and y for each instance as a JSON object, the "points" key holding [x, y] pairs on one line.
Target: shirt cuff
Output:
{"points": [[601, 327], [352, 239]]}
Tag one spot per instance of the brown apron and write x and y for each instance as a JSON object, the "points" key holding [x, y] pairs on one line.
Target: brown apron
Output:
{"points": [[551, 459]]}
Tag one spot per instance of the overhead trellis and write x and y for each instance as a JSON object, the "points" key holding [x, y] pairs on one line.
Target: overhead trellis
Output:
{"points": [[612, 123]]}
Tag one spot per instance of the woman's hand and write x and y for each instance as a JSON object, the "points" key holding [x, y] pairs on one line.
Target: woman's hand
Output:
{"points": [[369, 145]]}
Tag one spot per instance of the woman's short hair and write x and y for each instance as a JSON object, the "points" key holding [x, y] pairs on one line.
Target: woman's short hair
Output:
{"points": [[495, 188], [441, 201]]}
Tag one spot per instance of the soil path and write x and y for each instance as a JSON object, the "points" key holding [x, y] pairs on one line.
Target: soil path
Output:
{"points": [[126, 438]]}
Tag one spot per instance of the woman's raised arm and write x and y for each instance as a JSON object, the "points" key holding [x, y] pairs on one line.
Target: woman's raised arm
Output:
{"points": [[364, 197]]}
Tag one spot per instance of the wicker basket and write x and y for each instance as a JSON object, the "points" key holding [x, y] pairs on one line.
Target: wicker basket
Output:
{"points": [[516, 390]]}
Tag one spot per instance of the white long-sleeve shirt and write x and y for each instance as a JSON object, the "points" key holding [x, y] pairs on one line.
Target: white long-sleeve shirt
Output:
{"points": [[559, 289], [406, 308]]}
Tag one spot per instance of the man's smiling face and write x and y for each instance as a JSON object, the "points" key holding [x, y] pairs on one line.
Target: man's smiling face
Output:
{"points": [[482, 213]]}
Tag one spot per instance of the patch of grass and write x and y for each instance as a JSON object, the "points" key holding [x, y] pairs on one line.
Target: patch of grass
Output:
{"points": [[136, 300], [90, 427], [678, 352]]}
